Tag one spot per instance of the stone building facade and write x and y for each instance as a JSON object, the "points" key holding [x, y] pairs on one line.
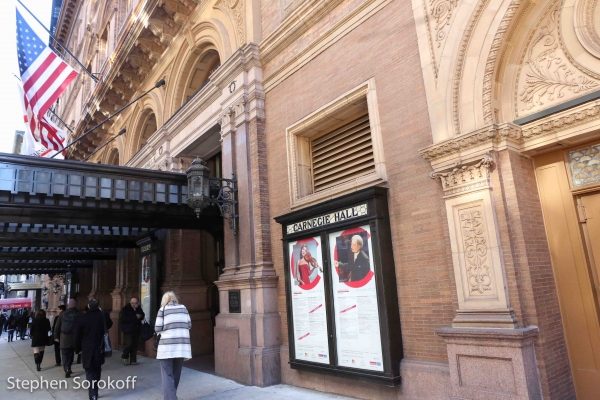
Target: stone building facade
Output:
{"points": [[488, 154]]}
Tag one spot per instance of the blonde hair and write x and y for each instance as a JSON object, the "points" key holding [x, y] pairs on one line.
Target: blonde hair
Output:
{"points": [[168, 297]]}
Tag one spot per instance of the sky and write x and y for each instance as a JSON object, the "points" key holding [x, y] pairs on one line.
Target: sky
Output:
{"points": [[11, 111]]}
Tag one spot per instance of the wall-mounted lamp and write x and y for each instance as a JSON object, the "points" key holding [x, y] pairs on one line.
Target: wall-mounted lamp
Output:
{"points": [[199, 192]]}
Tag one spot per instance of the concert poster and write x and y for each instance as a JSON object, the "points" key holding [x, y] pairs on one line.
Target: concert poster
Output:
{"points": [[307, 288], [355, 299]]}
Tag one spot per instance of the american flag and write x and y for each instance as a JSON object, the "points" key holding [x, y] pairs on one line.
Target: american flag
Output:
{"points": [[43, 131], [44, 76]]}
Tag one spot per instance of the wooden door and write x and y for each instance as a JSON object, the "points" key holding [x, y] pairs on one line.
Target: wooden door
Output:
{"points": [[572, 266]]}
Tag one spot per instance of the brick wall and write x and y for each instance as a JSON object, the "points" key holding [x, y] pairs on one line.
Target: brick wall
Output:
{"points": [[383, 47]]}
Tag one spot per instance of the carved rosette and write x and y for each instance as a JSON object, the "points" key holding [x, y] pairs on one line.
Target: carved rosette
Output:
{"points": [[235, 9]]}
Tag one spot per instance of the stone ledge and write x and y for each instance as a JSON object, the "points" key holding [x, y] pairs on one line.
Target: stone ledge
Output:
{"points": [[462, 334]]}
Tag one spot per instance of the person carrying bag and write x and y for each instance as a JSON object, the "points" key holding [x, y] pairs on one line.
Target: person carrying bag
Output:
{"points": [[173, 324]]}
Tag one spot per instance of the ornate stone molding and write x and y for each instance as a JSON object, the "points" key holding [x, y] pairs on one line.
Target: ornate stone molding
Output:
{"points": [[585, 26], [441, 12], [490, 66], [465, 179], [460, 61], [572, 118], [491, 137], [235, 9]]}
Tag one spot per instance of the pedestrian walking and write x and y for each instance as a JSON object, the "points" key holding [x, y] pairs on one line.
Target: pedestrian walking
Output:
{"points": [[11, 326], [5, 327], [22, 324], [40, 327], [173, 323], [89, 334], [64, 333], [2, 322], [57, 358], [130, 319]]}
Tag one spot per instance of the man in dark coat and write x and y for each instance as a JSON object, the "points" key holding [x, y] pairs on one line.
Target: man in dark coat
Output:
{"points": [[2, 321], [130, 319], [89, 333], [22, 324], [64, 332], [358, 263], [61, 308]]}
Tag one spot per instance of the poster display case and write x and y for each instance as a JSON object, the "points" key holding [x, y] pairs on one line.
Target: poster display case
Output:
{"points": [[341, 294], [148, 277]]}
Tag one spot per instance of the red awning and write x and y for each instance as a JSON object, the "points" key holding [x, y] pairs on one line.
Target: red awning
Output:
{"points": [[9, 304]]}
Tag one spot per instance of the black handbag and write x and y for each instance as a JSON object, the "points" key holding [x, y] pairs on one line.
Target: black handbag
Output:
{"points": [[146, 331], [50, 340], [156, 341]]}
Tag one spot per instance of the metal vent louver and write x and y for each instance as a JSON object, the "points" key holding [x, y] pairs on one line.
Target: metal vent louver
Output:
{"points": [[343, 154]]}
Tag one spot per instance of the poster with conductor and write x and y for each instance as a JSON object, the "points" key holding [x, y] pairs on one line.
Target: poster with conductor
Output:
{"points": [[355, 299]]}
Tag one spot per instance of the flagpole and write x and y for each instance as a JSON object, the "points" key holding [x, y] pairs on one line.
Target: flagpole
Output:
{"points": [[59, 43], [156, 85], [60, 119], [122, 131]]}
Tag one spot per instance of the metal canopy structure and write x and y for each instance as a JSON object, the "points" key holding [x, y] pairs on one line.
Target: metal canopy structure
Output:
{"points": [[61, 214]]}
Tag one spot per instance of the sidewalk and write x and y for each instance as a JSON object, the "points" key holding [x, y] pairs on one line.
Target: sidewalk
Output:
{"points": [[16, 361]]}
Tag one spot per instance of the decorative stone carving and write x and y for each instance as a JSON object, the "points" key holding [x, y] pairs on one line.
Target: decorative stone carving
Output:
{"points": [[494, 137], [546, 76], [586, 11], [587, 113], [460, 62], [235, 8], [476, 253], [441, 12], [490, 65], [465, 178], [475, 244]]}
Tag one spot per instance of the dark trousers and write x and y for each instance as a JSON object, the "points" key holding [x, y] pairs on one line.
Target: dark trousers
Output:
{"points": [[93, 376], [11, 333], [57, 352], [131, 346], [171, 372], [67, 358]]}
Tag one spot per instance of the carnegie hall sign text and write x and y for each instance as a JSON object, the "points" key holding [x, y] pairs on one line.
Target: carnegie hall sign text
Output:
{"points": [[334, 217]]}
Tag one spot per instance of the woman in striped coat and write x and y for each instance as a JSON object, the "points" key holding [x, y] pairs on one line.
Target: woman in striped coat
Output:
{"points": [[173, 324]]}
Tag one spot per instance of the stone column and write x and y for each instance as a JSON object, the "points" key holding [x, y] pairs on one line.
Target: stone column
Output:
{"points": [[247, 344], [487, 350], [183, 275]]}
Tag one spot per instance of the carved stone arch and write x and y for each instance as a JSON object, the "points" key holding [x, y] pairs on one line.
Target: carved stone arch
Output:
{"points": [[197, 61], [145, 125], [112, 155], [481, 48]]}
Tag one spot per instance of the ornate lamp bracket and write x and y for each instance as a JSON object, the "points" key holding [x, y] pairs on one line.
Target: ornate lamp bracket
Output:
{"points": [[226, 199]]}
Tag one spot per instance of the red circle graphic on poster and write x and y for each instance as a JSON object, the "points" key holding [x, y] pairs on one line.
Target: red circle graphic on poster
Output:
{"points": [[362, 282], [309, 260]]}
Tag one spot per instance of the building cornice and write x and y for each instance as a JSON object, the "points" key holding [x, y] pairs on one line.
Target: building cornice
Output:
{"points": [[569, 127]]}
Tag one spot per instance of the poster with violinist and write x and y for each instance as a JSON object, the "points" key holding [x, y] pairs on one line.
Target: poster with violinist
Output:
{"points": [[308, 300]]}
